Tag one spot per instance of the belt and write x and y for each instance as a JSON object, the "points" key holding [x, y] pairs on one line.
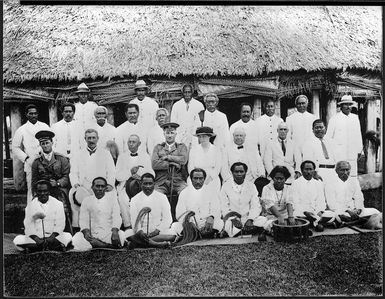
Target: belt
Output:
{"points": [[325, 166]]}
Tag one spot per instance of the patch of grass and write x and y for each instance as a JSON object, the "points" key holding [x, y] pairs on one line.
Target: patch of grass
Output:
{"points": [[329, 265]]}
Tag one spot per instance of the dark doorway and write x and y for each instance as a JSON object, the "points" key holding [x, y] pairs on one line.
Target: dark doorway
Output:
{"points": [[232, 107]]}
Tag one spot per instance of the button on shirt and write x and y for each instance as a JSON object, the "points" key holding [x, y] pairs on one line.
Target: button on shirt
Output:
{"points": [[266, 128], [309, 196]]}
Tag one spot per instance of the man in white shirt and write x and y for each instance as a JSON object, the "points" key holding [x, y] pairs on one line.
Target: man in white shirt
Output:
{"points": [[106, 131], [205, 206], [99, 220], [300, 122], [150, 229], [320, 150], [185, 113], [266, 126], [345, 130], [282, 151], [156, 136], [309, 196], [147, 106], [64, 130], [240, 151], [241, 196], [25, 147], [44, 223], [344, 196], [89, 163], [131, 165], [129, 127]]}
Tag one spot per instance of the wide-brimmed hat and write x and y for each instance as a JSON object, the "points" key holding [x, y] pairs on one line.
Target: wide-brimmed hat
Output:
{"points": [[140, 84], [169, 125], [346, 99], [80, 194], [204, 131], [44, 135], [82, 88]]}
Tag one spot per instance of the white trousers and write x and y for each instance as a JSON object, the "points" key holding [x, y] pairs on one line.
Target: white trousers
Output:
{"points": [[63, 238], [81, 244], [260, 221]]}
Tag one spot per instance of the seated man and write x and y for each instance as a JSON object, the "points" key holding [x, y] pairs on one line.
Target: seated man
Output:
{"points": [[309, 196], [99, 220], [44, 223], [169, 161], [55, 168], [154, 229], [344, 197], [241, 196], [206, 206], [129, 168]]}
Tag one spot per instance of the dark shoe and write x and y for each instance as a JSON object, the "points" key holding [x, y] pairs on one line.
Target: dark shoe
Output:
{"points": [[319, 228], [262, 237], [345, 218], [223, 234], [309, 233]]}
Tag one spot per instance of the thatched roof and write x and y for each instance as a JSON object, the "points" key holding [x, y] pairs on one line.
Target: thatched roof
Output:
{"points": [[79, 42]]}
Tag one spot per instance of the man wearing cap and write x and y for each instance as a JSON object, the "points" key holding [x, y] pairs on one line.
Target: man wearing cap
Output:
{"points": [[84, 112], [321, 150], [300, 122], [156, 136], [99, 220], [185, 112], [25, 147], [130, 167], [169, 161], [64, 130], [147, 106], [248, 124], [345, 130], [44, 223], [129, 127], [52, 167], [91, 162], [266, 126]]}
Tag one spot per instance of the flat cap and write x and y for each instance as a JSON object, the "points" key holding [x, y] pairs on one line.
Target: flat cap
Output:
{"points": [[169, 126], [44, 135]]}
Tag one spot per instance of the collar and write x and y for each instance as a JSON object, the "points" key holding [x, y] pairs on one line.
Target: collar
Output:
{"points": [[170, 145], [236, 187], [280, 140], [90, 151], [134, 154], [48, 157]]}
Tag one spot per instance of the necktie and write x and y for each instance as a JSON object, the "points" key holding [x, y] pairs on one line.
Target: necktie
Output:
{"points": [[68, 138], [283, 147], [326, 155], [133, 155], [91, 151], [240, 146]]}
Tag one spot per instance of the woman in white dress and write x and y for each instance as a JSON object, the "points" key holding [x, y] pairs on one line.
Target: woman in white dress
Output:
{"points": [[207, 156]]}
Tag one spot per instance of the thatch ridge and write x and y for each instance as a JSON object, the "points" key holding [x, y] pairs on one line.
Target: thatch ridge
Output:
{"points": [[80, 42]]}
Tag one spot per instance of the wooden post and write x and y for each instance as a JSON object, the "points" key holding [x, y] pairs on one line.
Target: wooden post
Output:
{"points": [[371, 125], [278, 108], [52, 112], [110, 115], [381, 139], [18, 167], [331, 109], [315, 103], [257, 108]]}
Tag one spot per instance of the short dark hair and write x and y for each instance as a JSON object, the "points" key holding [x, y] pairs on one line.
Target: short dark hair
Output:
{"points": [[238, 164], [246, 104], [131, 105], [187, 85], [30, 106], [318, 121], [67, 104], [43, 182], [99, 178], [281, 169], [198, 170], [307, 161], [147, 175]]}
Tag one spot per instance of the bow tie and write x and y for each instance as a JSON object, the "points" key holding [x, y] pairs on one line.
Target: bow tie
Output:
{"points": [[133, 155], [240, 146]]}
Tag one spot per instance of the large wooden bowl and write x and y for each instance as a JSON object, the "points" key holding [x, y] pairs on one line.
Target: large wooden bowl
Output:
{"points": [[291, 233]]}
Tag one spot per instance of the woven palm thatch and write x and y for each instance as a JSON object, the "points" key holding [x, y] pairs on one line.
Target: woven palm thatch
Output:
{"points": [[78, 42]]}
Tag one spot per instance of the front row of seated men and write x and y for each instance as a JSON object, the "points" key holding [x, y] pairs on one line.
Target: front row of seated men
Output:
{"points": [[236, 210]]}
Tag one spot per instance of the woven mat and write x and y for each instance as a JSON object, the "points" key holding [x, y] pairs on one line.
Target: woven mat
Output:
{"points": [[9, 248]]}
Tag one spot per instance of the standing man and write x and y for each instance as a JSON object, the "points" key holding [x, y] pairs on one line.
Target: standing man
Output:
{"points": [[156, 136], [321, 150], [91, 162], [169, 161], [147, 106], [247, 124], [64, 130], [345, 130], [185, 112], [300, 122], [84, 112], [129, 127], [266, 126], [25, 146], [106, 131], [282, 151]]}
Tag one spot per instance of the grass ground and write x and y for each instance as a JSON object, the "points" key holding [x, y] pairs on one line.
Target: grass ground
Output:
{"points": [[328, 265]]}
